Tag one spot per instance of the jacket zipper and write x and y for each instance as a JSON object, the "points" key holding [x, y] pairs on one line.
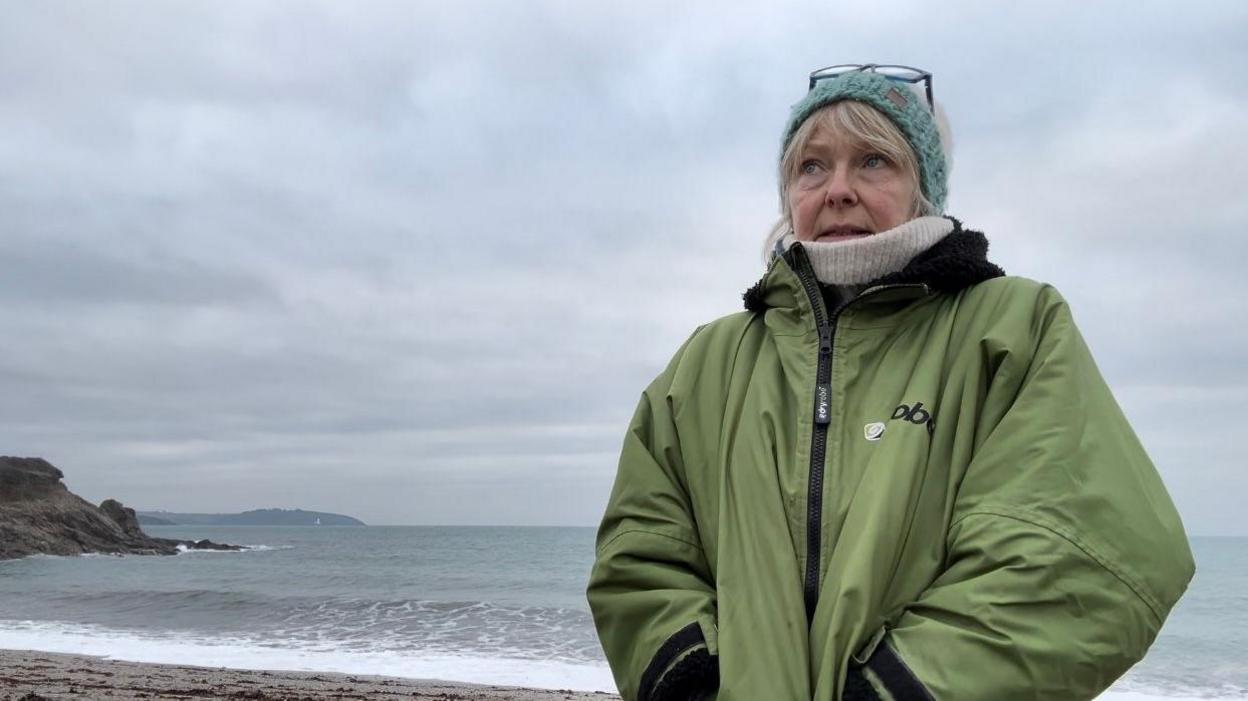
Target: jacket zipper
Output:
{"points": [[819, 435], [822, 418]]}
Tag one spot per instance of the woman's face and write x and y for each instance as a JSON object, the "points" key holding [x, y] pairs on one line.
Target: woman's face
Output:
{"points": [[842, 191]]}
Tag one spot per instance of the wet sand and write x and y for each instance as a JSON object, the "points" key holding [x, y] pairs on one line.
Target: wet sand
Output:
{"points": [[33, 676]]}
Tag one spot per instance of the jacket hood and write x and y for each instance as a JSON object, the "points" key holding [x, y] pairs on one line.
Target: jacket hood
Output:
{"points": [[957, 261]]}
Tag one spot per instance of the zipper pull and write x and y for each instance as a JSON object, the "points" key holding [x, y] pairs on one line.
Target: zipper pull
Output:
{"points": [[823, 404], [823, 391]]}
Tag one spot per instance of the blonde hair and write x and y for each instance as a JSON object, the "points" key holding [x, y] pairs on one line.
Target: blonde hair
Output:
{"points": [[866, 128]]}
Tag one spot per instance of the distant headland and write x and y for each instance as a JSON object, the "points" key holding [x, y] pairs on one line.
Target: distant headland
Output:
{"points": [[255, 517], [40, 516]]}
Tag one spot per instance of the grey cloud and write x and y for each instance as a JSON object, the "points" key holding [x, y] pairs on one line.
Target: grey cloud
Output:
{"points": [[49, 272]]}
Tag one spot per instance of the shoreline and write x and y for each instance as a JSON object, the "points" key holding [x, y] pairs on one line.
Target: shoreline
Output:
{"points": [[31, 675]]}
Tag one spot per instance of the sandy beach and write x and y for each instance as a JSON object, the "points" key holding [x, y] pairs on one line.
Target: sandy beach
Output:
{"points": [[31, 676]]}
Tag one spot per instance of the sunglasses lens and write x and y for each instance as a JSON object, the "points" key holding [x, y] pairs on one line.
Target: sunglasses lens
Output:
{"points": [[909, 75], [833, 71]]}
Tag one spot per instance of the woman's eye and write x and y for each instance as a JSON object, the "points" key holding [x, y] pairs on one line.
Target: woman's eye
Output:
{"points": [[875, 160], [810, 168]]}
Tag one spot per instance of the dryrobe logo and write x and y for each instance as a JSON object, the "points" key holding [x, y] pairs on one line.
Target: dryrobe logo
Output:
{"points": [[823, 404], [915, 415]]}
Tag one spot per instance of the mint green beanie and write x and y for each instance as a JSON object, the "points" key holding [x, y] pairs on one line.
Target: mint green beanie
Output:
{"points": [[905, 108]]}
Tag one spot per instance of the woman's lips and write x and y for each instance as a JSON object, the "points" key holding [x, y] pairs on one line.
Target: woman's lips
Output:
{"points": [[843, 233]]}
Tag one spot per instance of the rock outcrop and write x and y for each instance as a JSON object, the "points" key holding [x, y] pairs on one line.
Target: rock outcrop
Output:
{"points": [[123, 516], [39, 515]]}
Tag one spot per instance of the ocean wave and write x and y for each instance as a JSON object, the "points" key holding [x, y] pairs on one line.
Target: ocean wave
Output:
{"points": [[533, 632], [75, 556], [181, 550], [1174, 695], [1177, 687], [186, 550], [259, 653], [272, 654], [353, 624]]}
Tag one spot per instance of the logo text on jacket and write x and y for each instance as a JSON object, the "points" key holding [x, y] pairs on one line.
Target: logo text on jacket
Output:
{"points": [[915, 415], [823, 404]]}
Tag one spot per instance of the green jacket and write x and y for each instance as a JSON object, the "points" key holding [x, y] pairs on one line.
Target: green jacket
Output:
{"points": [[926, 493]]}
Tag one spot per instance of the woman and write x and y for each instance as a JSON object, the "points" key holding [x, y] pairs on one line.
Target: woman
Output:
{"points": [[898, 474]]}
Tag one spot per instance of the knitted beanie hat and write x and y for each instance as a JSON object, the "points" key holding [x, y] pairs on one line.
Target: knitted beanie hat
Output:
{"points": [[905, 108]]}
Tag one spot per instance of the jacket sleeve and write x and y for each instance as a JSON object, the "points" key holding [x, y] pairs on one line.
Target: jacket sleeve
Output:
{"points": [[1064, 554], [651, 591]]}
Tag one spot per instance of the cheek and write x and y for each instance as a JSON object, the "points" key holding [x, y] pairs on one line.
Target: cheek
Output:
{"points": [[802, 208], [893, 203]]}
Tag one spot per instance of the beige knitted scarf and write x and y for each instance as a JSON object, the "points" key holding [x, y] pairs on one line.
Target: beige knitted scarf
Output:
{"points": [[858, 261]]}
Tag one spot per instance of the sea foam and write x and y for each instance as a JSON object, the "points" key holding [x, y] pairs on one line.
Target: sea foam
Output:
{"points": [[249, 654]]}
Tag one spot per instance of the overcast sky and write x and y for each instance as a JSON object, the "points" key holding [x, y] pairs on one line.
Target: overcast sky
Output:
{"points": [[414, 262]]}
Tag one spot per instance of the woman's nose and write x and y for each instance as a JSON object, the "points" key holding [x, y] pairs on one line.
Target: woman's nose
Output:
{"points": [[839, 192]]}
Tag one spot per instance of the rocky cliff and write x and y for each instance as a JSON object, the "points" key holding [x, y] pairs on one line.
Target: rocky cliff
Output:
{"points": [[38, 514]]}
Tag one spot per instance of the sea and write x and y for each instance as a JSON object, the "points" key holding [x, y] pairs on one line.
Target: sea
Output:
{"points": [[489, 605]]}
